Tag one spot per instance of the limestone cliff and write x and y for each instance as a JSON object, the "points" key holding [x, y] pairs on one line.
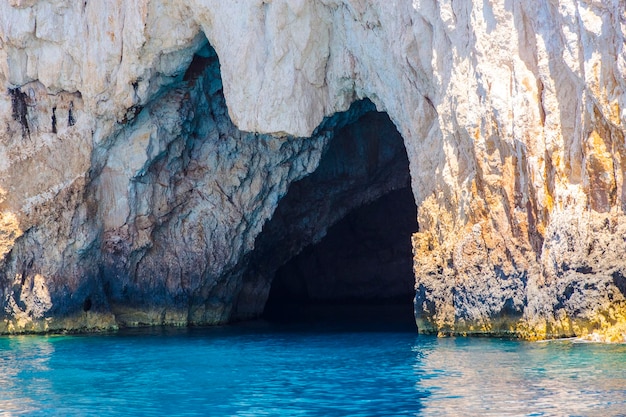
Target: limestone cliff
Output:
{"points": [[129, 195]]}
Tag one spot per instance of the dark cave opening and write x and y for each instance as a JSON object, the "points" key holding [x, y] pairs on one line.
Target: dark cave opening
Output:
{"points": [[361, 272], [338, 247]]}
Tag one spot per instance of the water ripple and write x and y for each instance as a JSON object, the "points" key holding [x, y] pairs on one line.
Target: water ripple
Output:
{"points": [[255, 371]]}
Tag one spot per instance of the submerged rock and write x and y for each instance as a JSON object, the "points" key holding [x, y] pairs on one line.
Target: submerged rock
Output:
{"points": [[131, 192]]}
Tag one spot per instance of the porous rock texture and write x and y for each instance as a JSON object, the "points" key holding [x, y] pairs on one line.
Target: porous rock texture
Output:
{"points": [[128, 196]]}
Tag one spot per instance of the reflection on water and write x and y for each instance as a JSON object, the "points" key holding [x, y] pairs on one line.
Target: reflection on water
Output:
{"points": [[20, 356], [268, 370], [506, 378]]}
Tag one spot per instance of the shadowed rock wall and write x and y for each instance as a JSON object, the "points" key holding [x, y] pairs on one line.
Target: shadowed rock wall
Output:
{"points": [[167, 208]]}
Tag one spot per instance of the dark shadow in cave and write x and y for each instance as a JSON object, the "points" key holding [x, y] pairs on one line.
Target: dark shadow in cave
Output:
{"points": [[338, 248], [361, 272]]}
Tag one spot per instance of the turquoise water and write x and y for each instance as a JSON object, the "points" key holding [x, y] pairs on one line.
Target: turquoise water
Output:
{"points": [[262, 369]]}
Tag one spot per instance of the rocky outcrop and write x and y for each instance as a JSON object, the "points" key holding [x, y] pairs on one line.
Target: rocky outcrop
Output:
{"points": [[128, 196]]}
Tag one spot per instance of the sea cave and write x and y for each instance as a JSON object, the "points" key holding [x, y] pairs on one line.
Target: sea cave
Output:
{"points": [[339, 244]]}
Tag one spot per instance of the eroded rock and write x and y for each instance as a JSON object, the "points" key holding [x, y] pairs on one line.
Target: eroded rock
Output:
{"points": [[122, 179]]}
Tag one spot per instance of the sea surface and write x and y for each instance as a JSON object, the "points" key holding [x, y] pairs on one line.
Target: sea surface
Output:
{"points": [[264, 369]]}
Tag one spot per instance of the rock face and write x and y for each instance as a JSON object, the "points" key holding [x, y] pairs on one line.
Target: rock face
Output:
{"points": [[129, 195]]}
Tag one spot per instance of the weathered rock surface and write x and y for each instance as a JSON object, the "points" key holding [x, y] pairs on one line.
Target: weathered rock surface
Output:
{"points": [[128, 196]]}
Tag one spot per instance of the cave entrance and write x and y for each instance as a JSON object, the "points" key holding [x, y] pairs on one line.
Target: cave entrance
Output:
{"points": [[359, 273], [338, 247]]}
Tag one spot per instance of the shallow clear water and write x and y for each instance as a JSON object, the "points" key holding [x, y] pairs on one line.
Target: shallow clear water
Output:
{"points": [[263, 369]]}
